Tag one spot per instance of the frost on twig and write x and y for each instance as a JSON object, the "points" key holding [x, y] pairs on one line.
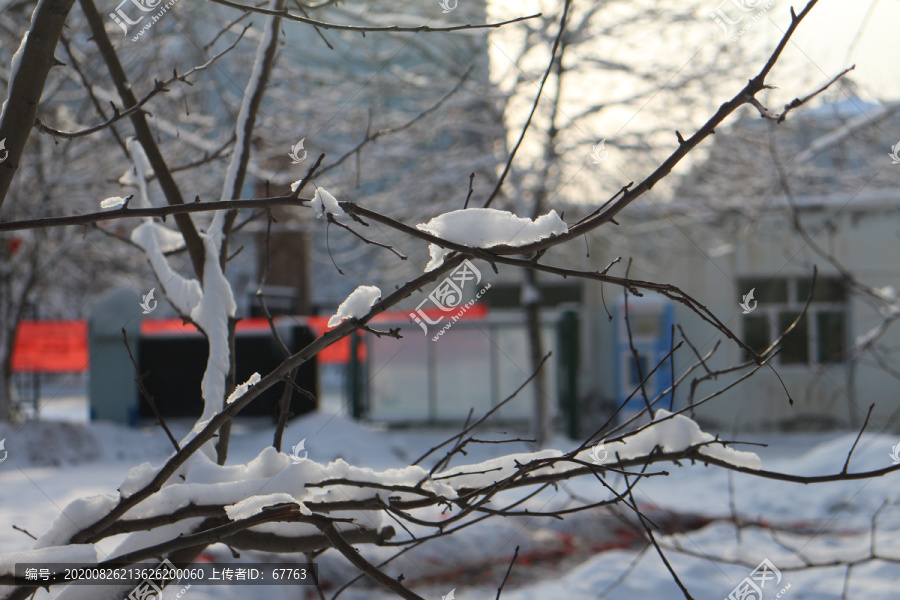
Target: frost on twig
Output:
{"points": [[112, 202], [242, 389]]}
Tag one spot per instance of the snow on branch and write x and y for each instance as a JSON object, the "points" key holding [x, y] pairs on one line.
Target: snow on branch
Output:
{"points": [[141, 171], [216, 305], [112, 202], [76, 553], [183, 293], [323, 202], [211, 314], [243, 127], [256, 504], [487, 227], [242, 389], [674, 433], [356, 305], [319, 488]]}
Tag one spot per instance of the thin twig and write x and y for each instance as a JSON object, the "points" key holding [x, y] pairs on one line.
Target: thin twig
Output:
{"points": [[25, 531], [139, 380], [859, 435], [158, 87], [350, 553], [284, 14], [508, 571], [662, 555]]}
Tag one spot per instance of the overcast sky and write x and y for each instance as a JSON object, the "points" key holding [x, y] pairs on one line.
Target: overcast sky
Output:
{"points": [[821, 44], [834, 24]]}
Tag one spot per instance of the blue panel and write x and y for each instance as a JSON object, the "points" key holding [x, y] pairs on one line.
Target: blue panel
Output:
{"points": [[651, 322]]}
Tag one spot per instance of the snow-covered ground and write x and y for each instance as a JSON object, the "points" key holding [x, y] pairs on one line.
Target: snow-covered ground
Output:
{"points": [[51, 463]]}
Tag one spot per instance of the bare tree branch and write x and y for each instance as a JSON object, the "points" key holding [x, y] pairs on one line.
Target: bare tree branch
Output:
{"points": [[32, 62], [288, 16], [144, 134]]}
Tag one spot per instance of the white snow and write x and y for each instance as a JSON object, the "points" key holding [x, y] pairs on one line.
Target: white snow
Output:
{"points": [[324, 203], [142, 539], [211, 315], [169, 239], [484, 473], [138, 477], [142, 170], [216, 304], [183, 293], [487, 227], [209, 307], [244, 113], [866, 338], [75, 516], [85, 554], [673, 433], [255, 504], [887, 293], [409, 476], [112, 202], [357, 304], [838, 513], [242, 388], [889, 311], [14, 65]]}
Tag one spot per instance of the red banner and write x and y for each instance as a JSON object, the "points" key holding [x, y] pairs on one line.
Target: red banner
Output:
{"points": [[62, 346], [51, 347]]}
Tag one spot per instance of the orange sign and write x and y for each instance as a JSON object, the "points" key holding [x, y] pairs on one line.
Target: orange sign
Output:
{"points": [[51, 347], [62, 346], [172, 326]]}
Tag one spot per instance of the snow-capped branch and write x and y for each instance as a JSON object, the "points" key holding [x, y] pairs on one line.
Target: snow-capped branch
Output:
{"points": [[488, 228], [358, 304], [300, 494], [253, 94]]}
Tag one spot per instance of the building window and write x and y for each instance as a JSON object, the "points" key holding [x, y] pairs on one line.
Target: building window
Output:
{"points": [[818, 339]]}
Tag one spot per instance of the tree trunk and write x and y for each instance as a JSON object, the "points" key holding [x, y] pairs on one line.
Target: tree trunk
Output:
{"points": [[32, 64], [5, 393], [531, 298]]}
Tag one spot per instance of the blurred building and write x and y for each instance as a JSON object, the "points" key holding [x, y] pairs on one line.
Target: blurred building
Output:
{"points": [[427, 105], [734, 229]]}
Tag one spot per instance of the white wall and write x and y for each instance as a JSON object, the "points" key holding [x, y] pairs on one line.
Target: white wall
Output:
{"points": [[864, 237]]}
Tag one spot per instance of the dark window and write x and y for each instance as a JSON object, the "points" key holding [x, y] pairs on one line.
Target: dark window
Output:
{"points": [[635, 378], [766, 290], [756, 332], [827, 290], [831, 336], [795, 345], [818, 338]]}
